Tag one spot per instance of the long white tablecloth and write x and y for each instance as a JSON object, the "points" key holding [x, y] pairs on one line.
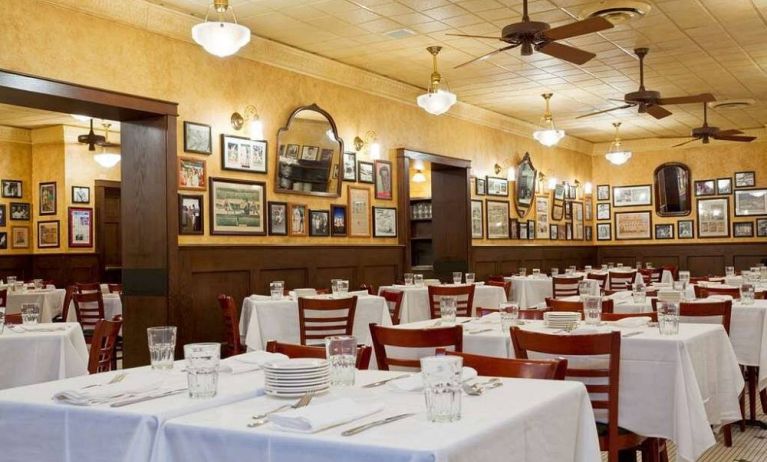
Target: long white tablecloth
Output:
{"points": [[112, 307], [415, 302], [51, 302]]}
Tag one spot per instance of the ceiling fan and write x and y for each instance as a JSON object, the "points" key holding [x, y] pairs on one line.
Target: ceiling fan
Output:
{"points": [[707, 133], [538, 36], [649, 101], [93, 140]]}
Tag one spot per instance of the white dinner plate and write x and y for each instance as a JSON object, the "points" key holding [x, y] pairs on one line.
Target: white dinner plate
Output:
{"points": [[296, 364], [309, 375]]}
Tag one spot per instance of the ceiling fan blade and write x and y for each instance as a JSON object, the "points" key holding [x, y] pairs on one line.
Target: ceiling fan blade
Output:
{"points": [[565, 52], [656, 111], [485, 56], [675, 137], [702, 98], [475, 36], [728, 132], [626, 106], [587, 26], [682, 144], [744, 139]]}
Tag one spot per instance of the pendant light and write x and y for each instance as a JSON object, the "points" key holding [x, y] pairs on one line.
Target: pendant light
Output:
{"points": [[616, 154], [548, 135], [221, 38], [436, 101], [108, 158]]}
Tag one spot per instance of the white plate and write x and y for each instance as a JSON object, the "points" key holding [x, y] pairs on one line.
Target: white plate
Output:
{"points": [[294, 377], [293, 394], [298, 386], [296, 364], [306, 389]]}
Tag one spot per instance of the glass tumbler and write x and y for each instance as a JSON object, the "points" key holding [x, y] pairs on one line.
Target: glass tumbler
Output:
{"points": [[38, 283], [729, 271], [442, 380], [418, 280], [523, 272], [668, 318], [470, 278], [408, 279], [554, 272], [536, 273], [202, 360], [343, 288], [639, 294], [277, 289], [457, 277], [587, 268], [341, 351], [747, 294], [592, 309], [162, 344], [334, 286], [509, 315], [447, 309], [30, 314]]}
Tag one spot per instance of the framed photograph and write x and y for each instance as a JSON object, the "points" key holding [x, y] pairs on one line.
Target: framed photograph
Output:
{"points": [[714, 217], [572, 191], [237, 207], [632, 196], [604, 232], [562, 233], [588, 210], [350, 167], [310, 152], [705, 188], [553, 232], [531, 229], [47, 234], [192, 174], [477, 220], [751, 202], [523, 230], [20, 237], [383, 180], [497, 220], [197, 138], [664, 231], [559, 192], [577, 220], [244, 154], [80, 224], [293, 151], [366, 172], [190, 214], [384, 222], [326, 155], [3, 241], [588, 233], [743, 229], [723, 186], [603, 192], [480, 186], [557, 212], [568, 210], [761, 227], [742, 180], [47, 199], [542, 217], [497, 186], [3, 213], [298, 217], [338, 220], [20, 211], [319, 223], [12, 189], [603, 211], [569, 231], [513, 228], [278, 218], [81, 195], [633, 225], [359, 211], [685, 229]]}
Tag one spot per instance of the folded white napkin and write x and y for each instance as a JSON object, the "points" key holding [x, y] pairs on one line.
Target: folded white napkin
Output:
{"points": [[622, 295], [100, 394], [415, 381], [490, 318], [586, 329], [316, 417], [718, 297], [248, 362], [480, 283], [638, 321]]}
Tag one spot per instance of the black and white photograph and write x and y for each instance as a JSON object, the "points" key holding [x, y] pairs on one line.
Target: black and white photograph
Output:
{"points": [[751, 202], [603, 211], [743, 229], [497, 186], [197, 138], [723, 186], [350, 166], [480, 186], [3, 240], [383, 182], [685, 229], [293, 151], [319, 223], [588, 233], [632, 196], [365, 172], [243, 154], [384, 222], [338, 220], [664, 231], [497, 220], [603, 192], [530, 229], [705, 188], [190, 214], [278, 218], [477, 220], [523, 230], [553, 232], [745, 179], [604, 232], [3, 213], [761, 227], [559, 192], [20, 211], [310, 152], [81, 195], [12, 189], [513, 228], [237, 207]]}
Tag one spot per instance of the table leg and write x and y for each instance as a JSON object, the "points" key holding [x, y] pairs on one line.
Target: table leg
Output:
{"points": [[751, 379]]}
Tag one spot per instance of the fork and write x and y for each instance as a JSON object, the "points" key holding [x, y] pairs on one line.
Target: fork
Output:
{"points": [[261, 419], [116, 379]]}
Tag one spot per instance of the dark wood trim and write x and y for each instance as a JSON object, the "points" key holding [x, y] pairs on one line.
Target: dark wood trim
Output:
{"points": [[436, 158]]}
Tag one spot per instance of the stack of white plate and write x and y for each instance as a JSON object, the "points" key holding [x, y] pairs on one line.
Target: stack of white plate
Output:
{"points": [[561, 319], [295, 377]]}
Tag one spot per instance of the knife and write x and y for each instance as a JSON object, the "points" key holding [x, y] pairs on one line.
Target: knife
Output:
{"points": [[362, 428], [381, 382], [141, 399]]}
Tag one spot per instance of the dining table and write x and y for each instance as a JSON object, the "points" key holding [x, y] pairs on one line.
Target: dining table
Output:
{"points": [[50, 300], [112, 307], [415, 301]]}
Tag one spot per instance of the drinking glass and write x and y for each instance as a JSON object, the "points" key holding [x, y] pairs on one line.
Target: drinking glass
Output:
{"points": [[202, 361], [684, 276], [470, 278], [587, 268], [619, 265], [648, 265], [457, 278], [408, 279], [162, 343], [610, 266], [2, 319], [334, 286], [277, 289], [442, 379], [639, 294], [604, 267], [418, 280], [592, 309], [638, 265], [729, 271], [747, 294], [38, 283], [584, 288], [668, 317], [30, 314], [554, 272], [572, 269], [678, 285], [447, 309], [536, 273], [341, 351], [509, 315], [343, 288], [11, 280], [523, 272]]}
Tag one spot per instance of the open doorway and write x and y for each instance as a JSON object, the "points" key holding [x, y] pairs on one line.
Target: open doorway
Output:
{"points": [[108, 230]]}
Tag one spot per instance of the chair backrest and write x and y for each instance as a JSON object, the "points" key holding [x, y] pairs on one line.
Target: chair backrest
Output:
{"points": [[671, 269], [394, 302], [621, 279], [314, 327], [506, 285], [653, 274], [412, 338], [13, 318], [67, 301], [464, 299], [115, 288], [3, 297], [87, 287], [721, 308], [369, 287], [547, 369], [89, 307], [703, 292], [103, 346], [292, 350], [232, 344], [564, 286], [600, 278], [531, 314], [496, 277], [653, 315], [563, 305]]}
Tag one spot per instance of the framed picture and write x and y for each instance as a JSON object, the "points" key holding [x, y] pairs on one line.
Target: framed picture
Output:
{"points": [[47, 234], [513, 228], [685, 229], [80, 221], [497, 186], [12, 189], [742, 180], [553, 232], [751, 202], [588, 210], [603, 211], [350, 167], [244, 154], [190, 214], [192, 174], [572, 191], [297, 219], [562, 233], [81, 195], [743, 229], [588, 233], [497, 220], [531, 229], [604, 232], [568, 210], [577, 220], [559, 192], [310, 152], [633, 225], [664, 231], [542, 217], [480, 186], [47, 199], [477, 220], [384, 222], [603, 192], [383, 179], [632, 196], [338, 220], [278, 218], [365, 172], [569, 231], [523, 230], [3, 241], [723, 186], [20, 237], [705, 188], [319, 223], [237, 207], [557, 212], [197, 138], [20, 211], [714, 217], [293, 151], [761, 227], [326, 155], [3, 213], [359, 211]]}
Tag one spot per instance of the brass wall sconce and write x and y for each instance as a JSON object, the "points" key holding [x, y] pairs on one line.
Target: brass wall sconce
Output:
{"points": [[370, 142], [250, 116], [509, 167]]}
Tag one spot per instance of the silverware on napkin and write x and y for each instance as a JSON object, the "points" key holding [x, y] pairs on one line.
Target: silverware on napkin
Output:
{"points": [[141, 399], [377, 423], [261, 419]]}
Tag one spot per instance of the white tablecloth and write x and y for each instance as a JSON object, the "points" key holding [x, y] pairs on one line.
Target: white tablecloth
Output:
{"points": [[538, 421], [112, 307], [531, 292], [51, 302], [34, 357], [415, 302]]}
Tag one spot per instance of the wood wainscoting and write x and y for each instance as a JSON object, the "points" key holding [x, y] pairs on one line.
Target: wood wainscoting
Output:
{"points": [[61, 268], [489, 260]]}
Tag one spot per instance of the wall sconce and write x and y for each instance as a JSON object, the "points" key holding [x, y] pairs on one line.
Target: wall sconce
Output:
{"points": [[250, 116], [552, 183], [419, 177], [540, 182], [510, 172], [370, 142], [587, 188]]}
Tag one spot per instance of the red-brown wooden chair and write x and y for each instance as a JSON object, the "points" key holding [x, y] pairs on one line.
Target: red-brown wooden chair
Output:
{"points": [[496, 277], [621, 280], [232, 344], [564, 286], [314, 327], [292, 350], [506, 285], [600, 278], [561, 305], [13, 318], [464, 299], [115, 289], [65, 307], [102, 353], [652, 274], [369, 287], [438, 337], [3, 297], [89, 307], [545, 369], [394, 303], [87, 287], [703, 292], [118, 342]]}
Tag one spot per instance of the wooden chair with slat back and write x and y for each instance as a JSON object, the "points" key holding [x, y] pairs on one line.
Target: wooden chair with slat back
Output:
{"points": [[232, 343], [394, 302], [314, 327], [703, 292], [563, 305], [87, 287], [412, 338], [506, 285], [545, 369], [464, 299], [713, 308], [621, 279], [618, 316], [65, 307], [101, 357], [118, 342], [292, 350], [90, 309], [3, 297], [369, 287], [13, 318], [600, 278], [115, 289], [530, 314], [496, 277], [564, 286], [651, 274]]}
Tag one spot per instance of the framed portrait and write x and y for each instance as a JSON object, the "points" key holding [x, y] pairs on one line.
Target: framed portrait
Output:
{"points": [[664, 231], [480, 186], [20, 237], [761, 227], [81, 195], [705, 188], [553, 232], [572, 191], [604, 232], [3, 241], [365, 172], [20, 211], [12, 189], [383, 180], [319, 223], [588, 233], [192, 174], [190, 214], [297, 219], [326, 155], [244, 154], [742, 229], [497, 186], [588, 210], [3, 213], [384, 222], [751, 202], [577, 220], [559, 192], [197, 138], [523, 230], [497, 220], [723, 186], [80, 224], [310, 152], [47, 198], [531, 229], [278, 218], [603, 211], [685, 229], [568, 210], [359, 211], [513, 228], [350, 167], [632, 196], [293, 151], [48, 234], [603, 192], [338, 220], [477, 220], [237, 207], [557, 212], [542, 217], [714, 217], [569, 231], [742, 180], [633, 225], [562, 233]]}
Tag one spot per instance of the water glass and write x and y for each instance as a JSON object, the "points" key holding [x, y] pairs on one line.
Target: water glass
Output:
{"points": [[470, 278], [747, 294], [162, 344], [554, 272], [342, 288], [648, 265], [418, 280], [523, 272], [610, 266], [447, 309], [408, 279], [536, 273], [457, 278], [678, 286], [2, 319], [668, 317], [638, 266], [11, 280], [684, 276], [619, 265], [572, 269], [592, 309], [30, 314], [509, 315], [38, 283], [202, 360], [442, 380], [639, 294], [587, 268], [603, 267], [277, 289], [729, 271], [341, 351], [334, 286], [584, 288]]}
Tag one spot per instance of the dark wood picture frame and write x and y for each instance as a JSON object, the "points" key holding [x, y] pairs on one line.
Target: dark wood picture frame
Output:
{"points": [[319, 232], [488, 203], [749, 177], [616, 189], [380, 188], [638, 212], [749, 225], [353, 176], [736, 201], [270, 214], [40, 224], [360, 164], [182, 230], [213, 182], [20, 206], [76, 200], [679, 234], [390, 210], [500, 181], [712, 184], [225, 161], [337, 230], [727, 226], [291, 210], [54, 199], [202, 185], [604, 226], [603, 192], [3, 215], [661, 226], [480, 190], [18, 194], [761, 227], [71, 228], [721, 191], [208, 150]]}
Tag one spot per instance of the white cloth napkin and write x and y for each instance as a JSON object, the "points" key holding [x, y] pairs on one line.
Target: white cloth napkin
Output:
{"points": [[100, 394], [491, 318], [248, 362], [586, 329], [718, 297], [415, 381], [313, 418], [638, 321], [622, 295]]}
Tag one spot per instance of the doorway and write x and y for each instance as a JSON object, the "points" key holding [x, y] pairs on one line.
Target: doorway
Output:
{"points": [[108, 231]]}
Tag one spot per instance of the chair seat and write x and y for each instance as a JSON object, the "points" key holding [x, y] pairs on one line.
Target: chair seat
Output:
{"points": [[626, 438]]}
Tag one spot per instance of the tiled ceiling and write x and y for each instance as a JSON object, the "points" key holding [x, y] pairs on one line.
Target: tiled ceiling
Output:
{"points": [[24, 117], [696, 46]]}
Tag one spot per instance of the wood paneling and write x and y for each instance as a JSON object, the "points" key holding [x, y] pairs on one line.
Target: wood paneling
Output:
{"points": [[488, 260], [61, 268]]}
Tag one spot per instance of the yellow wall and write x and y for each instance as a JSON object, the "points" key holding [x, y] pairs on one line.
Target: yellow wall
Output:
{"points": [[48, 154], [16, 164]]}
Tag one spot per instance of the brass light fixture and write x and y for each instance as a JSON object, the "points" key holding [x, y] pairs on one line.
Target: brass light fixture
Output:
{"points": [[615, 153], [510, 170], [436, 101], [548, 135], [221, 38], [370, 142], [249, 115]]}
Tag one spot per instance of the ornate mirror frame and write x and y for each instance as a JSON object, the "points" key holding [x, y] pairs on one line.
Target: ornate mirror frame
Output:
{"points": [[657, 192], [525, 164]]}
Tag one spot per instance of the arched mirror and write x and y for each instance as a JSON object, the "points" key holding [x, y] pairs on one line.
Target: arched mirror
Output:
{"points": [[525, 186], [672, 190], [309, 153]]}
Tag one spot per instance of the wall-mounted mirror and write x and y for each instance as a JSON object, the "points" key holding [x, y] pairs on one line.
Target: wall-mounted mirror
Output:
{"points": [[525, 186], [309, 154], [672, 190]]}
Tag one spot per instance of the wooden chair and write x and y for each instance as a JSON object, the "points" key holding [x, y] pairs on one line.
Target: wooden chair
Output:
{"points": [[101, 357], [115, 289], [394, 302], [118, 343], [89, 307], [496, 277], [412, 338], [292, 350], [703, 292], [600, 278], [232, 343], [3, 297], [562, 305], [506, 285], [618, 316], [369, 287], [531, 314], [13, 318], [87, 287], [65, 307], [621, 279], [564, 286], [654, 274], [314, 327], [464, 299], [545, 369]]}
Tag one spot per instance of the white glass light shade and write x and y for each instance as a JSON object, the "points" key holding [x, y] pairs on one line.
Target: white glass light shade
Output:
{"points": [[107, 159], [549, 137], [618, 157], [256, 130], [587, 188], [419, 177], [221, 38], [436, 103], [375, 151]]}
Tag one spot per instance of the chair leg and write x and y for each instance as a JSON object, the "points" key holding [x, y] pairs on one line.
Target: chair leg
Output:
{"points": [[727, 431], [742, 401], [663, 453], [763, 398], [752, 378]]}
